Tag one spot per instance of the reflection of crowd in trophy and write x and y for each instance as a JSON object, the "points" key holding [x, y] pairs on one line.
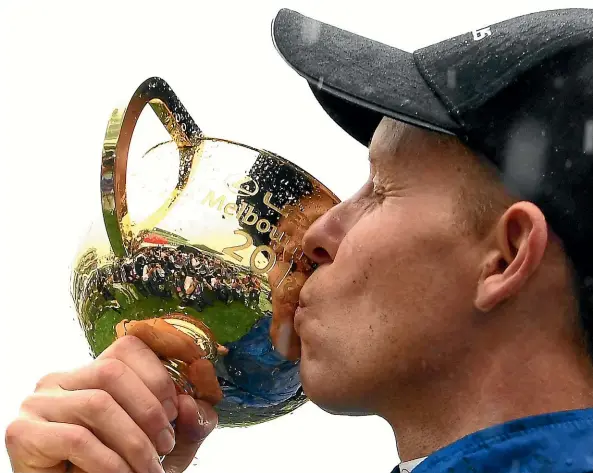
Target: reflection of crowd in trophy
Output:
{"points": [[195, 277]]}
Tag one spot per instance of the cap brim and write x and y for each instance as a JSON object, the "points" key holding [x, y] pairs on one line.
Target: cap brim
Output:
{"points": [[357, 80]]}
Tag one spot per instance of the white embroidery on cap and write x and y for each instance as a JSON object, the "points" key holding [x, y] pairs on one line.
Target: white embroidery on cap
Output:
{"points": [[481, 33]]}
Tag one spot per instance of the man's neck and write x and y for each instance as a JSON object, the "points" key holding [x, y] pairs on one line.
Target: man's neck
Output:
{"points": [[498, 389]]}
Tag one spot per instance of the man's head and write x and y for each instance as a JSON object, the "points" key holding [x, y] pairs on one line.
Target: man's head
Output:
{"points": [[466, 256], [429, 270]]}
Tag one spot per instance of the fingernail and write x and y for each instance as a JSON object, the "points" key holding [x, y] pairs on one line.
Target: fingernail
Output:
{"points": [[156, 467], [165, 441], [170, 409]]}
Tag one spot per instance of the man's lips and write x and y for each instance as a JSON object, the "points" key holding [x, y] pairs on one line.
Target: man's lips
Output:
{"points": [[298, 318], [305, 294]]}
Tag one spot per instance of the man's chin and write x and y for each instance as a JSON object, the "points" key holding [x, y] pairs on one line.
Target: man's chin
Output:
{"points": [[343, 412], [330, 400]]}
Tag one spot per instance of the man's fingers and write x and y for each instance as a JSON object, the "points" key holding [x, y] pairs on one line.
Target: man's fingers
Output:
{"points": [[97, 412], [36, 446], [124, 402], [143, 361], [197, 419], [127, 389]]}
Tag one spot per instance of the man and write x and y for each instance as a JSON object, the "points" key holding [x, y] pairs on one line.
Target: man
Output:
{"points": [[465, 257], [139, 264]]}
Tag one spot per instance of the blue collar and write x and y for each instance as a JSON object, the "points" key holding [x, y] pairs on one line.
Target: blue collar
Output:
{"points": [[560, 442]]}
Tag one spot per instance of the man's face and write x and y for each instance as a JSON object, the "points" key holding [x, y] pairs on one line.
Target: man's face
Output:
{"points": [[390, 306]]}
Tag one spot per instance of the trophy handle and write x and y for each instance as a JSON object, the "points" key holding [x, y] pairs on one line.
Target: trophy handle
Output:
{"points": [[124, 236]]}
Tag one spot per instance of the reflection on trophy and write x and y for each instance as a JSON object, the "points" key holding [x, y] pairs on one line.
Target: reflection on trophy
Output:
{"points": [[210, 279]]}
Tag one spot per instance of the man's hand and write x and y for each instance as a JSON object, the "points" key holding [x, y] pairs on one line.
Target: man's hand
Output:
{"points": [[112, 416]]}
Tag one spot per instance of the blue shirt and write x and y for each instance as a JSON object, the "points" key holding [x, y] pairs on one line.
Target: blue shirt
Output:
{"points": [[561, 442], [255, 374]]}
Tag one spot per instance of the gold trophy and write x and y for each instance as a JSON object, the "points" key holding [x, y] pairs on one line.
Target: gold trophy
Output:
{"points": [[211, 279]]}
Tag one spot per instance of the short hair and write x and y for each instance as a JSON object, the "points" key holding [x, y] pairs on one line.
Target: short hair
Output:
{"points": [[482, 199]]}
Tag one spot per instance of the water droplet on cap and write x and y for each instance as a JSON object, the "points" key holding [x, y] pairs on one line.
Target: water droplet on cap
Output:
{"points": [[451, 78], [588, 137]]}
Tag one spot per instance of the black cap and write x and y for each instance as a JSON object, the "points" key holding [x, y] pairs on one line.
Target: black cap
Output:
{"points": [[519, 93]]}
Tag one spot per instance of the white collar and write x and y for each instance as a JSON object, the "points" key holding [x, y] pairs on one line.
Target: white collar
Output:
{"points": [[407, 467]]}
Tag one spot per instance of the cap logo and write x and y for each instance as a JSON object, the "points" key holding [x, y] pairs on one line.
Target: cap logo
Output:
{"points": [[481, 33]]}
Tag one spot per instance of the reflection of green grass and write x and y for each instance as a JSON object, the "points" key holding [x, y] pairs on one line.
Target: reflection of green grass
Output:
{"points": [[227, 322]]}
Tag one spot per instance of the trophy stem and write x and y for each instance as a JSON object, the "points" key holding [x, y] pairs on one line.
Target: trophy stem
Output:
{"points": [[177, 370]]}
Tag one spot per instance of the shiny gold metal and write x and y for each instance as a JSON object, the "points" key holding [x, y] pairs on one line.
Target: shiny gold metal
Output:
{"points": [[123, 236], [211, 278]]}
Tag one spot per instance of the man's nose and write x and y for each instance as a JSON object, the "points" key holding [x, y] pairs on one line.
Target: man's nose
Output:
{"points": [[322, 240]]}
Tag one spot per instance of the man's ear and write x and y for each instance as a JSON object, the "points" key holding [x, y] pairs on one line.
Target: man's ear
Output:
{"points": [[517, 249]]}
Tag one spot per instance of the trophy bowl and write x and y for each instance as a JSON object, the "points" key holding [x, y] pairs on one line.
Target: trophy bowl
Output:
{"points": [[210, 279]]}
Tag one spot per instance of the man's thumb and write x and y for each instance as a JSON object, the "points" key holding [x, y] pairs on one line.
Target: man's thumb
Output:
{"points": [[196, 420]]}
